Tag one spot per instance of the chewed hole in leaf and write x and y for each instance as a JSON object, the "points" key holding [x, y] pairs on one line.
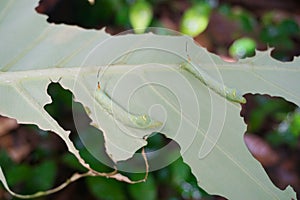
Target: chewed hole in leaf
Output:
{"points": [[31, 160], [273, 137], [40, 170], [173, 176], [72, 13], [184, 184], [61, 110]]}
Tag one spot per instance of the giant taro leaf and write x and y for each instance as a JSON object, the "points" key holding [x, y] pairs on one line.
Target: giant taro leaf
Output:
{"points": [[142, 75]]}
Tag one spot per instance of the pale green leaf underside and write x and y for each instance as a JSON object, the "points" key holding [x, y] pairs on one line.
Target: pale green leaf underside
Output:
{"points": [[34, 53]]}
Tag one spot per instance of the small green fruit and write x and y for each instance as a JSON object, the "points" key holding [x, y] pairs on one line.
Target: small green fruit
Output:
{"points": [[195, 20], [242, 47], [140, 15]]}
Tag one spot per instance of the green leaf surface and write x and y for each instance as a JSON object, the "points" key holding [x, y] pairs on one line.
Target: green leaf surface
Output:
{"points": [[106, 189], [180, 171], [147, 70], [44, 175], [18, 174], [146, 190]]}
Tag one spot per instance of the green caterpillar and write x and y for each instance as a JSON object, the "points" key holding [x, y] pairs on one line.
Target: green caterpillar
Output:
{"points": [[136, 121], [228, 93]]}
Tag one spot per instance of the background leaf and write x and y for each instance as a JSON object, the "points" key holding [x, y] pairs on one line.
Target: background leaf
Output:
{"points": [[105, 188], [147, 189]]}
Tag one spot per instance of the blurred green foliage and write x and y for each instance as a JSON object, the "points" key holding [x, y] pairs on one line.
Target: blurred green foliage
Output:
{"points": [[279, 34], [267, 28], [176, 180], [29, 178], [287, 132], [277, 119]]}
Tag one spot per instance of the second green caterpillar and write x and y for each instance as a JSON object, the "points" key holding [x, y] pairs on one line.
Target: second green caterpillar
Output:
{"points": [[229, 93]]}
